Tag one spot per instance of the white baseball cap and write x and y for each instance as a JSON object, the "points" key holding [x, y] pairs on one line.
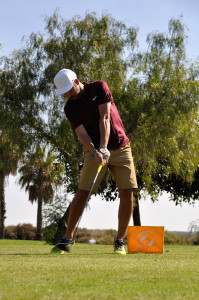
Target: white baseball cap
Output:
{"points": [[64, 81]]}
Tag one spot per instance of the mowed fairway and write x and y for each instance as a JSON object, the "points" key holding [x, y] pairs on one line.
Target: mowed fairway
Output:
{"points": [[28, 271]]}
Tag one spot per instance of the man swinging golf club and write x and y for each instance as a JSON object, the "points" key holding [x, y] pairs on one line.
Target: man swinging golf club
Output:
{"points": [[92, 113]]}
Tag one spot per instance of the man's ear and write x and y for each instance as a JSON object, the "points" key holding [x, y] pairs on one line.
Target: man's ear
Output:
{"points": [[77, 81]]}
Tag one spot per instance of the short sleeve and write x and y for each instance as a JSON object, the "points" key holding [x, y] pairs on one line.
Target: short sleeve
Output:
{"points": [[104, 95], [72, 116]]}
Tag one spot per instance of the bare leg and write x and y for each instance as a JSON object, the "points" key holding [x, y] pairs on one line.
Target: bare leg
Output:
{"points": [[76, 208], [125, 211]]}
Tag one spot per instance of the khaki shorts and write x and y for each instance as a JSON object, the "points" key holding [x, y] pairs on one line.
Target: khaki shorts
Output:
{"points": [[120, 164]]}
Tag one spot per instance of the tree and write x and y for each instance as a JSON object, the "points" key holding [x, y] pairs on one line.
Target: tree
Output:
{"points": [[182, 191], [159, 107], [164, 87], [39, 175], [194, 227], [9, 157], [93, 46]]}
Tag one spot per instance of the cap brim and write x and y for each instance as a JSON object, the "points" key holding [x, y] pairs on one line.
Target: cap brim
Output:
{"points": [[64, 90]]}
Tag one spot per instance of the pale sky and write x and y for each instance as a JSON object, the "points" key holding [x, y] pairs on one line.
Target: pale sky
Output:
{"points": [[19, 18]]}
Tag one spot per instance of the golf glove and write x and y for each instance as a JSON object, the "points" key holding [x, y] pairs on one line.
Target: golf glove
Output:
{"points": [[104, 151]]}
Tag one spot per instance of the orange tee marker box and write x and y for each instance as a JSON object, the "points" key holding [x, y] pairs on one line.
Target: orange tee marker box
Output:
{"points": [[145, 239]]}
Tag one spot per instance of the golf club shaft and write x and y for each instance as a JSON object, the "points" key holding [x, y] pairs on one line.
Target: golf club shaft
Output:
{"points": [[90, 191]]}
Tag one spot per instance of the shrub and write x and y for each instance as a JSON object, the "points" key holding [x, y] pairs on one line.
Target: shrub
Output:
{"points": [[83, 239], [49, 233], [106, 240], [102, 236], [106, 237], [172, 238], [195, 239], [111, 232], [10, 232], [21, 232]]}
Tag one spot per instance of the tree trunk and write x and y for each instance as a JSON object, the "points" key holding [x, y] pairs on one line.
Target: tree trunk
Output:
{"points": [[2, 205], [136, 213], [61, 229], [39, 220]]}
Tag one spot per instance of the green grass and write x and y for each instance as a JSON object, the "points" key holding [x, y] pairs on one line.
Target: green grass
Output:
{"points": [[28, 271]]}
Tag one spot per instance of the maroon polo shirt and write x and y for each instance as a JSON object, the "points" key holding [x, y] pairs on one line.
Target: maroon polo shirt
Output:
{"points": [[84, 110]]}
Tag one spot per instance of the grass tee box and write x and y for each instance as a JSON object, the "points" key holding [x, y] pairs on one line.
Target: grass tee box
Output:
{"points": [[145, 239]]}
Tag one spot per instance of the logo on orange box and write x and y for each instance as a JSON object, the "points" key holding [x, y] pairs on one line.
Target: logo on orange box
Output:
{"points": [[145, 239]]}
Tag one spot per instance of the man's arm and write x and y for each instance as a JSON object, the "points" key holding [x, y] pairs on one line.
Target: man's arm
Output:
{"points": [[104, 123], [87, 142], [84, 138]]}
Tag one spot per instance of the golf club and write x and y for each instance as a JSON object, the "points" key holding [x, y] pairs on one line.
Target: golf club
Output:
{"points": [[55, 249], [90, 191]]}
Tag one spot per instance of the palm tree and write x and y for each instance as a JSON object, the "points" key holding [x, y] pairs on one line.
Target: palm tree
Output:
{"points": [[9, 157], [39, 176]]}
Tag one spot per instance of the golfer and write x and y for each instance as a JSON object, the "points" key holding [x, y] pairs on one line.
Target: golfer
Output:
{"points": [[93, 116]]}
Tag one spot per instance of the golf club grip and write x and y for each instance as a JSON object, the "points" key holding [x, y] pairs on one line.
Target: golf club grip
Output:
{"points": [[99, 168], [91, 188], [94, 180]]}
